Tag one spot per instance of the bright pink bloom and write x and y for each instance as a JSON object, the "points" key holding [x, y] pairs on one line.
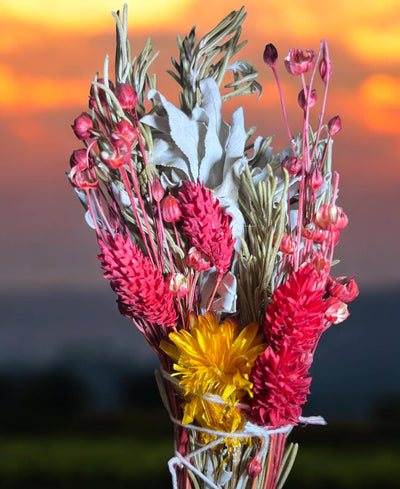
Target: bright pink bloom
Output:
{"points": [[296, 313], [170, 209], [334, 125], [270, 55], [296, 62], [82, 126], [141, 289], [331, 217], [126, 95], [336, 311], [206, 224], [302, 99], [343, 289], [280, 386]]}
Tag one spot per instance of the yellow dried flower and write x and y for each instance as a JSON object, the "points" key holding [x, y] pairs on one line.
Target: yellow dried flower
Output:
{"points": [[213, 359]]}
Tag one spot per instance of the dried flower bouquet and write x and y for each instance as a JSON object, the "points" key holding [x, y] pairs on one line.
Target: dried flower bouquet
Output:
{"points": [[218, 249]]}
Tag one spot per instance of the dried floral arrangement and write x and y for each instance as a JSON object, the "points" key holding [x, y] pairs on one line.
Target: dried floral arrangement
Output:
{"points": [[219, 250]]}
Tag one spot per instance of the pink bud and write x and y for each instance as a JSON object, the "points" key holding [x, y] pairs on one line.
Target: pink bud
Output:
{"points": [[157, 190], [79, 158], [316, 179], [270, 55], [197, 260], [170, 209], [292, 164], [287, 244], [82, 126], [334, 125], [125, 134], [178, 285], [113, 160], [254, 468], [101, 94], [296, 62], [126, 95], [335, 310], [302, 100], [331, 217], [344, 289], [325, 69]]}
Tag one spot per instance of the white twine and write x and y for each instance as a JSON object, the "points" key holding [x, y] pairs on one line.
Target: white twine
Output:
{"points": [[250, 431]]}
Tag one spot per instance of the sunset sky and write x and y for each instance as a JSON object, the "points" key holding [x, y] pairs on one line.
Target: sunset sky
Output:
{"points": [[50, 51]]}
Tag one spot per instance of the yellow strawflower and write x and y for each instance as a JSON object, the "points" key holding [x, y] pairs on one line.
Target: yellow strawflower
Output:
{"points": [[213, 359]]}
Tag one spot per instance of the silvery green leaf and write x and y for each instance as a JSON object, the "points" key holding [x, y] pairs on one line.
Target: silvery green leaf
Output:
{"points": [[236, 142], [224, 476], [226, 292], [183, 131], [82, 197], [121, 194], [170, 156]]}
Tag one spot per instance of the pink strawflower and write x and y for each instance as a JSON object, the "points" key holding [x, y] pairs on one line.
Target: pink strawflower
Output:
{"points": [[296, 313], [308, 101], [142, 291], [280, 386], [292, 164], [206, 224], [124, 134], [296, 62], [100, 92]]}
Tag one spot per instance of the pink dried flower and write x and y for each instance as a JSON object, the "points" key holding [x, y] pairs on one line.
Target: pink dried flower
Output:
{"points": [[197, 260], [316, 179], [126, 95], [325, 65], [296, 62], [206, 224], [142, 291], [292, 164], [101, 94], [280, 386], [170, 209], [296, 312], [82, 175], [178, 285], [305, 102], [331, 217], [254, 468], [335, 310], [270, 55], [157, 190], [334, 125], [287, 245], [82, 126], [343, 289], [124, 135]]}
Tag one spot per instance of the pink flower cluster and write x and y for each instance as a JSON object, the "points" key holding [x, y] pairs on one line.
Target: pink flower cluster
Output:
{"points": [[141, 289], [207, 226]]}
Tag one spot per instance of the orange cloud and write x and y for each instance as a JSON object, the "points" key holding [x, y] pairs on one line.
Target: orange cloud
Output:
{"points": [[380, 103], [32, 94], [93, 15]]}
